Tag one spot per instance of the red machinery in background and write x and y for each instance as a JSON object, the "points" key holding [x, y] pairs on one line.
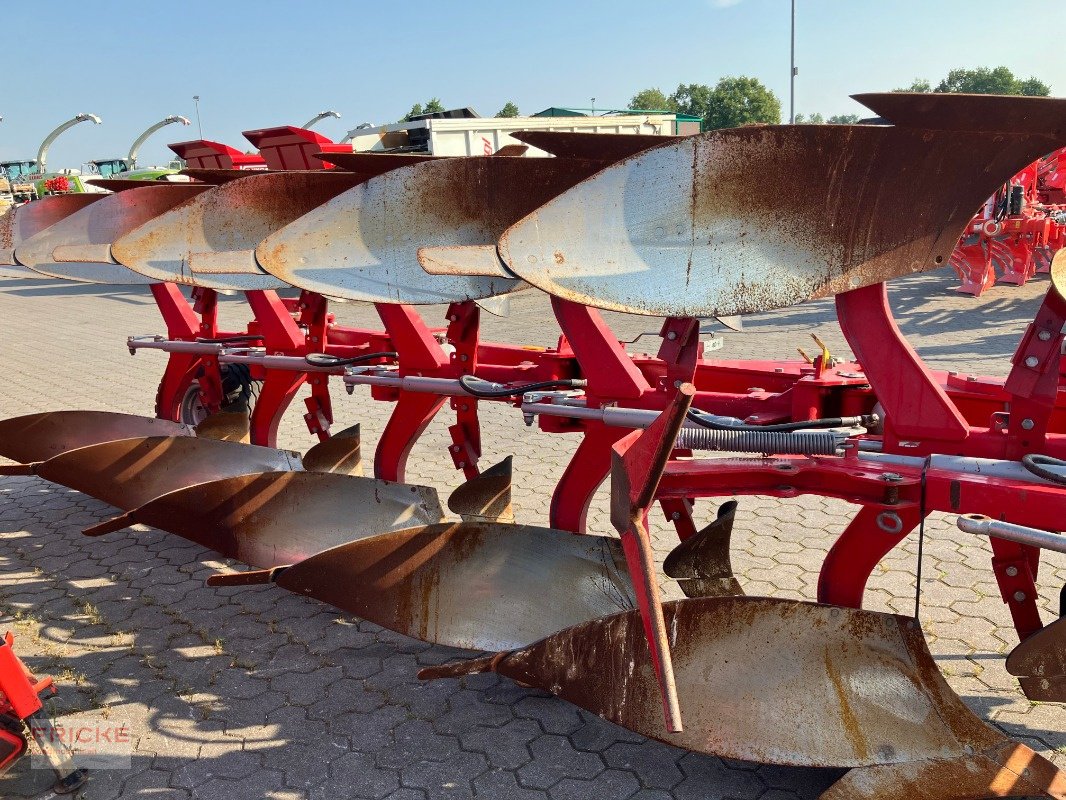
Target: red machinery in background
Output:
{"points": [[21, 710]]}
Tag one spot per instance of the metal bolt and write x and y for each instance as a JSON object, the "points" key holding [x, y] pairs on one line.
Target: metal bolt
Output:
{"points": [[671, 335], [1044, 684], [675, 515], [454, 317], [455, 448], [462, 465], [1028, 424], [1012, 571], [1032, 362], [892, 477], [464, 357], [1044, 336], [1019, 596]]}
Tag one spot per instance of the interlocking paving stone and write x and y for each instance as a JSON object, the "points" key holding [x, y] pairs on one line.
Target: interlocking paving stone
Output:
{"points": [[255, 692]]}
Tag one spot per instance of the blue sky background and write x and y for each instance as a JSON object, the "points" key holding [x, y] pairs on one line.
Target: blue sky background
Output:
{"points": [[271, 62]]}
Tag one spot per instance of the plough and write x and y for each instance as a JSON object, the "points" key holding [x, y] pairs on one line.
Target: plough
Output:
{"points": [[723, 224], [1018, 231]]}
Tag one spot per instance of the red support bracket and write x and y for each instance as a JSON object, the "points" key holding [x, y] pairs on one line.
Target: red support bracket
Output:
{"points": [[637, 464], [916, 406], [1013, 566]]}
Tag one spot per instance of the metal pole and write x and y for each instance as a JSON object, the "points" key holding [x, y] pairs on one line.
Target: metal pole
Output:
{"points": [[593, 106], [199, 128], [792, 75]]}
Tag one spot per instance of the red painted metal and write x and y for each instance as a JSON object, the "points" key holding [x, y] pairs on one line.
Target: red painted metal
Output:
{"points": [[205, 154]]}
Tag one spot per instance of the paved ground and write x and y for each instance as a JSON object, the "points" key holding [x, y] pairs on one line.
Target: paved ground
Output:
{"points": [[258, 693]]}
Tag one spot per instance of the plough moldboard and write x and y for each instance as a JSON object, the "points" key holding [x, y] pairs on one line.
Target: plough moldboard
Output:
{"points": [[725, 223]]}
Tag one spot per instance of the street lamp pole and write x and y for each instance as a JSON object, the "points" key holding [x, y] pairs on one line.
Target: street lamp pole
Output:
{"points": [[792, 76], [199, 128]]}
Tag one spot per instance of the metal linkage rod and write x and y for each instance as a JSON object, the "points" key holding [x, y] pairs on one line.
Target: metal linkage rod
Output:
{"points": [[980, 525]]}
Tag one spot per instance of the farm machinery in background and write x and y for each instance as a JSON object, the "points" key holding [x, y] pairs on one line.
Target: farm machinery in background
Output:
{"points": [[127, 167], [684, 229], [28, 180], [1018, 230]]}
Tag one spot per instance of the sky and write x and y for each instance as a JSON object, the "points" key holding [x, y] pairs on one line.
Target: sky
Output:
{"points": [[270, 62]]}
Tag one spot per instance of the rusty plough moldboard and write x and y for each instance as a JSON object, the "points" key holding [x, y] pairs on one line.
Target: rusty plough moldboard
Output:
{"points": [[718, 225]]}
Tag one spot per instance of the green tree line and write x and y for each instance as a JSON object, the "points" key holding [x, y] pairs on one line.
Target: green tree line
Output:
{"points": [[740, 100]]}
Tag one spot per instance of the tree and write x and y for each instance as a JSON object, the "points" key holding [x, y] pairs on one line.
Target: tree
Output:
{"points": [[1033, 87], [509, 110], [651, 100], [998, 80], [813, 119], [917, 85], [843, 119], [434, 106], [693, 99], [731, 103], [741, 101]]}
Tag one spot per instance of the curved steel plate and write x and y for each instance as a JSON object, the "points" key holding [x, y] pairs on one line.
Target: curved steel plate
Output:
{"points": [[363, 244], [484, 586], [607, 147], [768, 680], [1039, 663], [98, 225], [970, 112], [38, 437], [270, 519], [229, 218], [129, 472], [751, 219], [19, 223]]}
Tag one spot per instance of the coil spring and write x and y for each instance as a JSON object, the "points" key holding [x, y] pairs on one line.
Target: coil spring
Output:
{"points": [[767, 442]]}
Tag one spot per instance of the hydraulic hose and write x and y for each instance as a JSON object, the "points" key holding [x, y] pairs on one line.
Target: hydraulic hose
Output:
{"points": [[251, 337], [327, 360], [496, 390], [1036, 463], [867, 421]]}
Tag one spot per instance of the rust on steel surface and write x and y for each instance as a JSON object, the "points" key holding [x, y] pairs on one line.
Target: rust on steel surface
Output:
{"points": [[78, 246], [637, 464], [487, 497], [371, 164], [224, 224], [972, 112], [363, 244], [269, 519], [129, 472], [701, 564], [476, 585], [19, 223], [340, 453], [217, 177], [227, 426], [607, 147], [1039, 663], [787, 682], [751, 219], [39, 437]]}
